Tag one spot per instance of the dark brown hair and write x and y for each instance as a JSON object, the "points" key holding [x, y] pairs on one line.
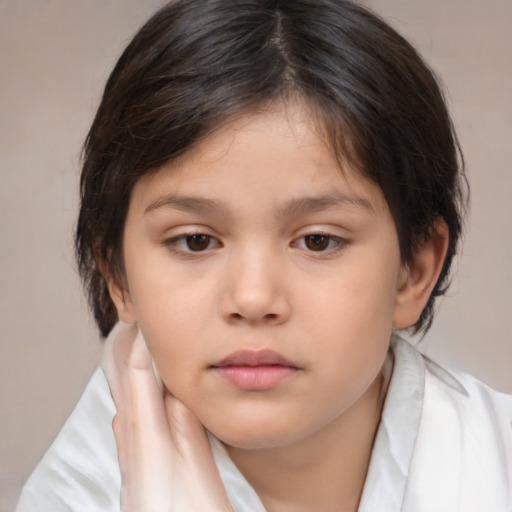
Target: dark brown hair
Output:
{"points": [[196, 63]]}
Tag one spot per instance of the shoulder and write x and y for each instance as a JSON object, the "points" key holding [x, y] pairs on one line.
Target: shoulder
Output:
{"points": [[80, 471], [464, 444], [468, 399]]}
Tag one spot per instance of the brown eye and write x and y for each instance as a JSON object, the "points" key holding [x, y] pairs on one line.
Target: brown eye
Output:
{"points": [[317, 242], [198, 242]]}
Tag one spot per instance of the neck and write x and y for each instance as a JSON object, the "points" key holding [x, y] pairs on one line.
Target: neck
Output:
{"points": [[327, 470]]}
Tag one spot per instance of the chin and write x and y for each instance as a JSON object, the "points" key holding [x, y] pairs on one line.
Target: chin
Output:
{"points": [[256, 435], [254, 441]]}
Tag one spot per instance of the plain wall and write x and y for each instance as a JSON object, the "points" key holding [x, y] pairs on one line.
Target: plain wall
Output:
{"points": [[54, 58]]}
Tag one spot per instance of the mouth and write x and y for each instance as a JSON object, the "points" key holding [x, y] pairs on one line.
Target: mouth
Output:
{"points": [[255, 370]]}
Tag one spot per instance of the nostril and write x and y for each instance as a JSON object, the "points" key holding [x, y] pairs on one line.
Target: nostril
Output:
{"points": [[269, 318]]}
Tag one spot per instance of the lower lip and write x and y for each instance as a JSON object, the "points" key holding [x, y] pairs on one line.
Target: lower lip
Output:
{"points": [[256, 378]]}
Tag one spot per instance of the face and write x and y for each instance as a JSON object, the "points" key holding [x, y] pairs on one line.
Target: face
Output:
{"points": [[264, 279]]}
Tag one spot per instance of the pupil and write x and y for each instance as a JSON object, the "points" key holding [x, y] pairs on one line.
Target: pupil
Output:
{"points": [[198, 242], [317, 242]]}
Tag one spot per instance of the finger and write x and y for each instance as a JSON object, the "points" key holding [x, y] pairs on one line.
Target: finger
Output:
{"points": [[141, 403], [129, 367], [117, 347], [200, 480], [187, 432], [136, 356], [140, 425]]}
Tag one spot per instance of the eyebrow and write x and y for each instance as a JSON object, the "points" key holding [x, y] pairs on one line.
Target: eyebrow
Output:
{"points": [[186, 203], [305, 205], [294, 207]]}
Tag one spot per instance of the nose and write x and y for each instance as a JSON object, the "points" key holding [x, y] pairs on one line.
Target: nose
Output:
{"points": [[254, 290]]}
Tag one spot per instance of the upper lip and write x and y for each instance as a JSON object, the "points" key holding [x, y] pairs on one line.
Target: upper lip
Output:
{"points": [[254, 358]]}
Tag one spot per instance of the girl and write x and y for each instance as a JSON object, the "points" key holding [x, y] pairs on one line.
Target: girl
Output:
{"points": [[270, 191]]}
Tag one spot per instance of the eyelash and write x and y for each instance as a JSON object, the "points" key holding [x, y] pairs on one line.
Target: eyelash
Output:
{"points": [[331, 239], [333, 243], [174, 243]]}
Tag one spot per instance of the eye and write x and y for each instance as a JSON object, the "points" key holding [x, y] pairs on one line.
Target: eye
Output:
{"points": [[319, 242], [195, 242], [198, 242]]}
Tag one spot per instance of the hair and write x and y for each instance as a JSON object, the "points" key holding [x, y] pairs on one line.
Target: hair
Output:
{"points": [[197, 63]]}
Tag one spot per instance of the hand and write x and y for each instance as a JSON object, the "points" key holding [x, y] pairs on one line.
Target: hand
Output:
{"points": [[164, 454]]}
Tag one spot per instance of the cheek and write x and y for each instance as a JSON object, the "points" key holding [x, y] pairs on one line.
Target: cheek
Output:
{"points": [[166, 294], [174, 315], [354, 322], [357, 300]]}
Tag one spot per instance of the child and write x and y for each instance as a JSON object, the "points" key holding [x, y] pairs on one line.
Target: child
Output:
{"points": [[270, 190]]}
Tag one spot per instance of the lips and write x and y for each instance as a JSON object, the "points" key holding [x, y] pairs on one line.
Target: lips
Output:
{"points": [[254, 358], [255, 370]]}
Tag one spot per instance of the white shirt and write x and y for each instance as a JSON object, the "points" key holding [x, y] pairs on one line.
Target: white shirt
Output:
{"points": [[444, 444]]}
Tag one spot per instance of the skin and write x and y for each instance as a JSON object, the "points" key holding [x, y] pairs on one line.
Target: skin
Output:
{"points": [[163, 469], [299, 258]]}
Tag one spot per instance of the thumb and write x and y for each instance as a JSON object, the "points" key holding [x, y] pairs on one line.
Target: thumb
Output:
{"points": [[202, 480]]}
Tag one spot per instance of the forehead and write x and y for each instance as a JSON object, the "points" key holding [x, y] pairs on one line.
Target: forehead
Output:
{"points": [[274, 153]]}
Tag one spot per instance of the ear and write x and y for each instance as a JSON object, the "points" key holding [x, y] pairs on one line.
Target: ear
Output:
{"points": [[118, 290], [121, 297], [417, 280]]}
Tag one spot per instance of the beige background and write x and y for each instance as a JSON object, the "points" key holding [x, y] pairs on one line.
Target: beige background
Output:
{"points": [[54, 57]]}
